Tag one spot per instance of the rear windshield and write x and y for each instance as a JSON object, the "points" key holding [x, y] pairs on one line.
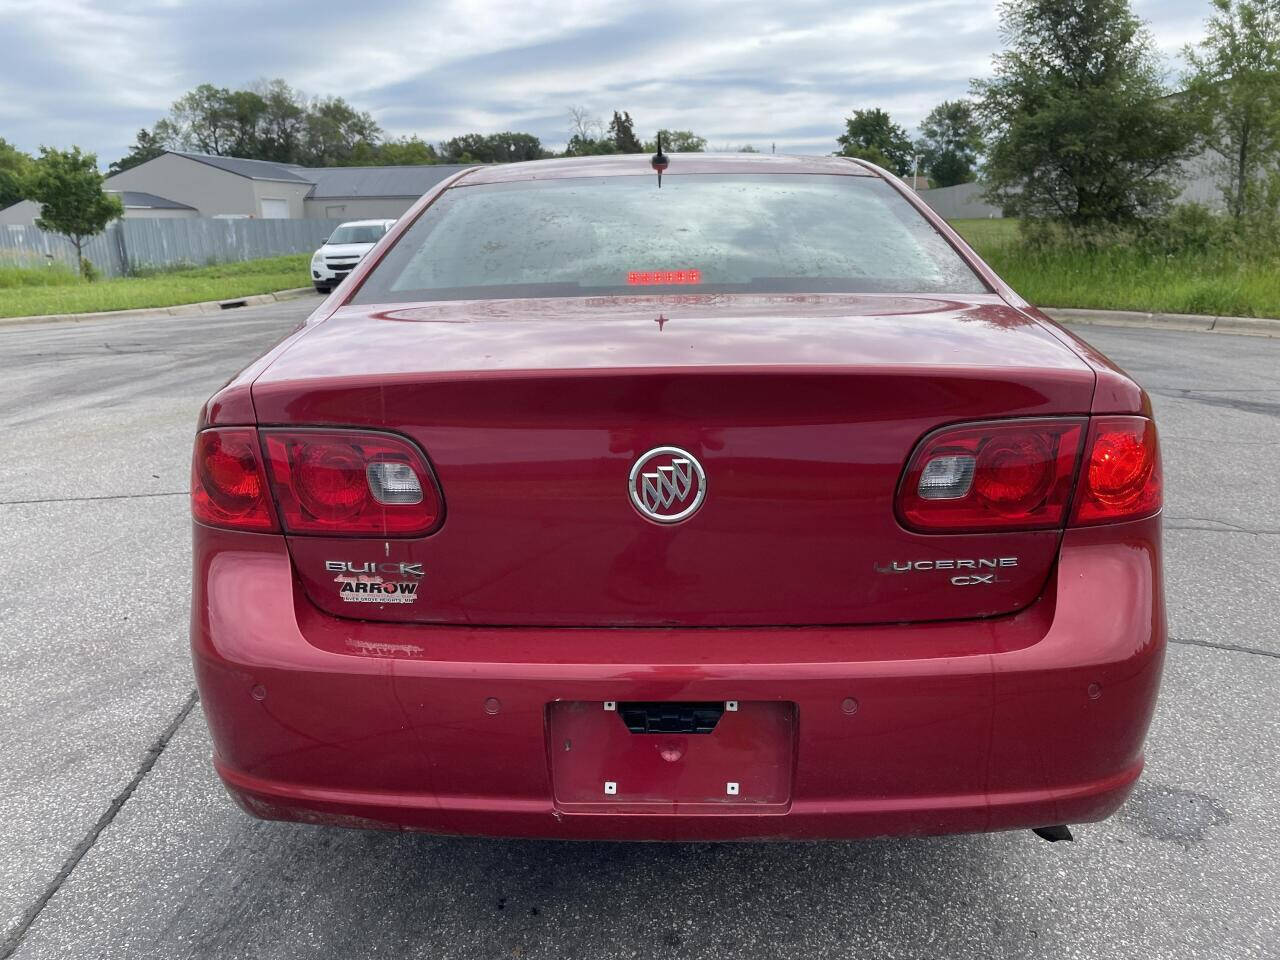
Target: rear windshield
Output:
{"points": [[756, 233], [358, 233]]}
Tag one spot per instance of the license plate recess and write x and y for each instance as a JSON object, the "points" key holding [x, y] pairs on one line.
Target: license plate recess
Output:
{"points": [[598, 763]]}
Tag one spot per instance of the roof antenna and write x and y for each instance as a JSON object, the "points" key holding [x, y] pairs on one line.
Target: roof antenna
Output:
{"points": [[659, 160]]}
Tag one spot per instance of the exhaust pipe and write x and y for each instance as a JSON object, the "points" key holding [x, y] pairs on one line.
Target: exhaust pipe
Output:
{"points": [[1054, 834]]}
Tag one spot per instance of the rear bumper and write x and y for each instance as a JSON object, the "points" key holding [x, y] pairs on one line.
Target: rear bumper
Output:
{"points": [[1028, 720]]}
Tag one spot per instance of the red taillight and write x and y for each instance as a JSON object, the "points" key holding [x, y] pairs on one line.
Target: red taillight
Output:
{"points": [[1121, 477], [349, 483], [1018, 474], [992, 476], [1013, 474], [329, 480], [228, 488]]}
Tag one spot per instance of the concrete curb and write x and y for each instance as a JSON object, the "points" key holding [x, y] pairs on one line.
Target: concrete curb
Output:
{"points": [[1241, 326], [181, 310]]}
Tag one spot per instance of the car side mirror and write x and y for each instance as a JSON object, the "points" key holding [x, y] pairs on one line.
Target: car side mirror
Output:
{"points": [[324, 241]]}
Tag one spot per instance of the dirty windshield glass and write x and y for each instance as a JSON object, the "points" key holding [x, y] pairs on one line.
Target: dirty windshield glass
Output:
{"points": [[361, 233], [762, 233]]}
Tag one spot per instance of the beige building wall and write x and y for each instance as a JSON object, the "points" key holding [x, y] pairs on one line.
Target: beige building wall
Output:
{"points": [[359, 208], [23, 213], [211, 191], [291, 193]]}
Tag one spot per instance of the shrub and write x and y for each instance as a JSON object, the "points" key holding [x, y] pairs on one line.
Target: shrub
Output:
{"points": [[1193, 261], [1188, 230]]}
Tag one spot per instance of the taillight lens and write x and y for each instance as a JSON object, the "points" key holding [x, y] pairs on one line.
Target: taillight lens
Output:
{"points": [[992, 476], [348, 483], [228, 487], [1121, 478]]}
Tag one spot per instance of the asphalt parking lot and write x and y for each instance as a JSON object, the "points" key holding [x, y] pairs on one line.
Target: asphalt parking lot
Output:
{"points": [[117, 841]]}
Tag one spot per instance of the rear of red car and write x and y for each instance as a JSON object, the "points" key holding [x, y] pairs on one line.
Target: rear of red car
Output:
{"points": [[754, 507]]}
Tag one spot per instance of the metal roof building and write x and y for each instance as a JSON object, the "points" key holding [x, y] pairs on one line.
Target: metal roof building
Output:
{"points": [[337, 193], [137, 205], [393, 182], [183, 184], [251, 169], [135, 200], [354, 193]]}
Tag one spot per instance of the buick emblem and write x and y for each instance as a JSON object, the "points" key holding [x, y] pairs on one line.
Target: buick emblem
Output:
{"points": [[667, 485]]}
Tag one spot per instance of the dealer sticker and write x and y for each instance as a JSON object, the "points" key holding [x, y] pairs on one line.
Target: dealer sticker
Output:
{"points": [[366, 589]]}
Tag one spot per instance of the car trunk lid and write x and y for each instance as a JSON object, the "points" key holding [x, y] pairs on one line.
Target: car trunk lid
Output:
{"points": [[801, 411]]}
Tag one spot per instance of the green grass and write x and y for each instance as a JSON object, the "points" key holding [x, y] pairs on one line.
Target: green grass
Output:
{"points": [[27, 292], [55, 275], [1122, 278], [1114, 278]]}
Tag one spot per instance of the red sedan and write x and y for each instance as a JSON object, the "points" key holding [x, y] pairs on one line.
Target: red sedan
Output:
{"points": [[743, 503]]}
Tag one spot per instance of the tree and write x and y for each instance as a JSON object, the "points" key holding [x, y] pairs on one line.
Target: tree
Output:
{"points": [[579, 146], [872, 135], [677, 141], [147, 145], [334, 131], [1079, 126], [245, 111], [623, 134], [583, 125], [507, 147], [587, 137], [204, 120], [951, 139], [14, 166], [1233, 88], [468, 148], [282, 125], [406, 151], [68, 187], [266, 121]]}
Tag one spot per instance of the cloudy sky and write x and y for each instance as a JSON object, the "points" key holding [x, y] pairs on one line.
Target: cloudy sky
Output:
{"points": [[92, 73]]}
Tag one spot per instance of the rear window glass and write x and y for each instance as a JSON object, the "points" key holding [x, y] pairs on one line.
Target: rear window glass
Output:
{"points": [[758, 233]]}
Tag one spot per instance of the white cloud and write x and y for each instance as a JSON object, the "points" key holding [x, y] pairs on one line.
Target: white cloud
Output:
{"points": [[91, 73]]}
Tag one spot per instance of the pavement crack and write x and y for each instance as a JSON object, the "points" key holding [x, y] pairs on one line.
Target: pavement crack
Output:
{"points": [[32, 913], [1221, 526], [116, 496], [1209, 644], [1225, 523], [1218, 441], [1262, 407]]}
